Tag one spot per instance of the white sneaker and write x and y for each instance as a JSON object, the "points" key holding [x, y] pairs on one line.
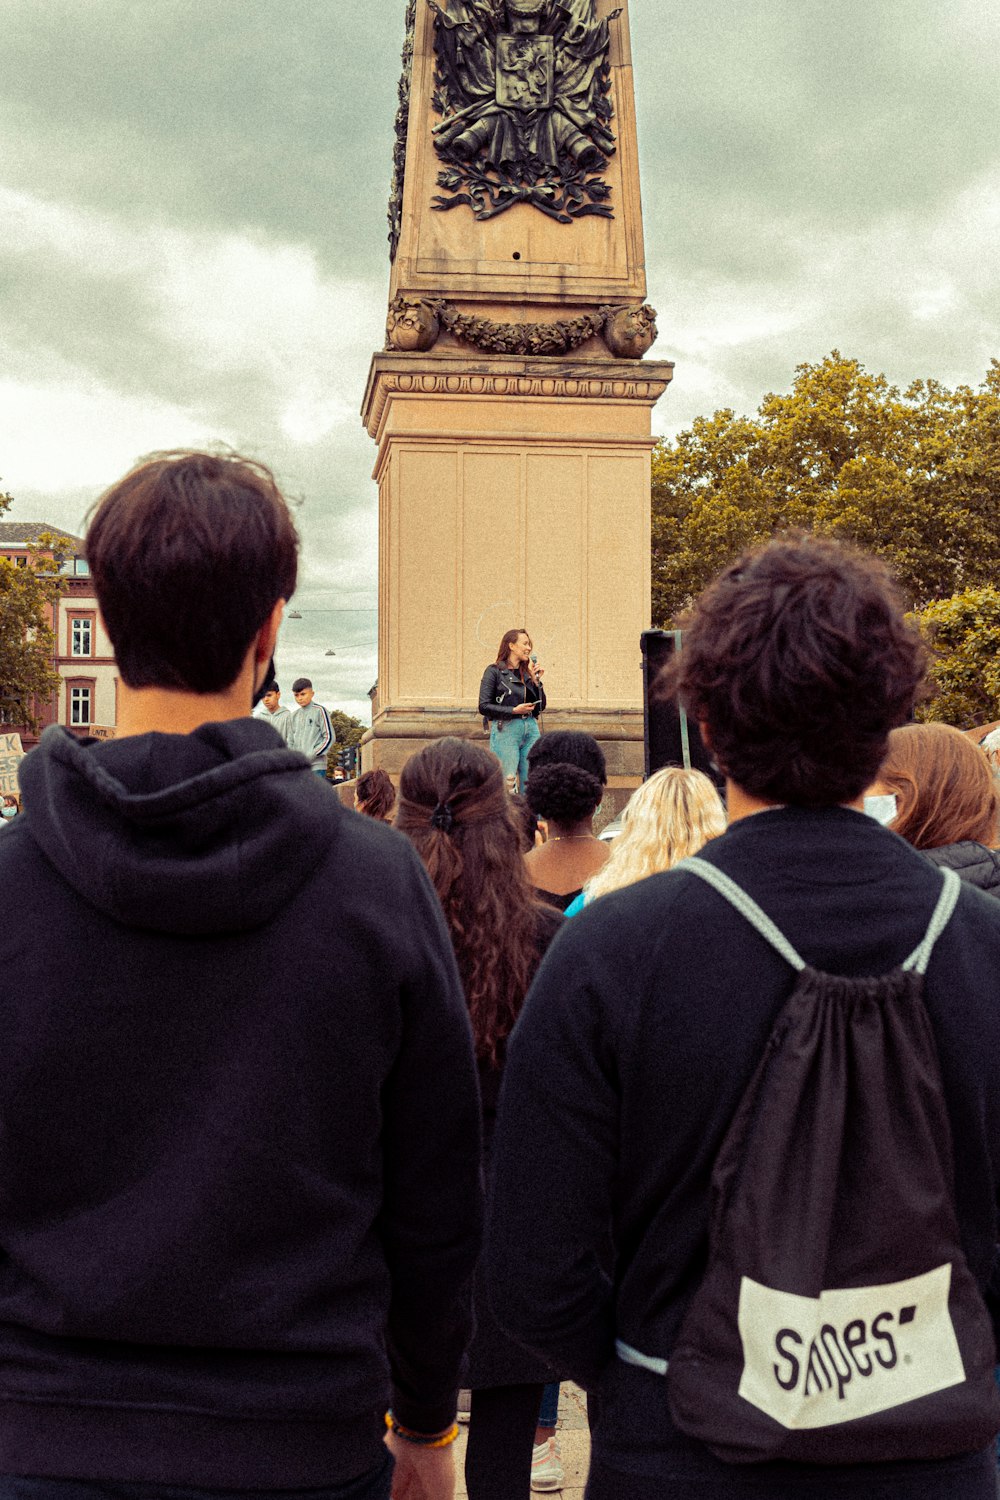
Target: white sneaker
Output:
{"points": [[546, 1470]]}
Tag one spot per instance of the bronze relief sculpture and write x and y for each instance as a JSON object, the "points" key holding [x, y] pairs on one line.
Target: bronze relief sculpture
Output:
{"points": [[523, 90]]}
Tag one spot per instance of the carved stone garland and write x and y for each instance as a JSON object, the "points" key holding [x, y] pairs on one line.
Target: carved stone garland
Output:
{"points": [[414, 325]]}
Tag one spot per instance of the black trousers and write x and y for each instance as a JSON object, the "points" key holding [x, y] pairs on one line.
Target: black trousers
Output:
{"points": [[502, 1425]]}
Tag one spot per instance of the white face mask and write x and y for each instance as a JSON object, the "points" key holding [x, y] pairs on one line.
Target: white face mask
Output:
{"points": [[881, 808], [8, 812]]}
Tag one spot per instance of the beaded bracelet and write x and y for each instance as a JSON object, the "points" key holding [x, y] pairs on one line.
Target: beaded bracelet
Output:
{"points": [[422, 1439]]}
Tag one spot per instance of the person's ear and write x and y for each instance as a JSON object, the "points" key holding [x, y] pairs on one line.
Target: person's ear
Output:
{"points": [[267, 635]]}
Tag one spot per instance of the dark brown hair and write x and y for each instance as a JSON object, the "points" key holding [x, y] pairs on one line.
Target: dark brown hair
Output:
{"points": [[189, 553], [798, 660], [376, 794], [945, 790], [506, 641], [453, 805]]}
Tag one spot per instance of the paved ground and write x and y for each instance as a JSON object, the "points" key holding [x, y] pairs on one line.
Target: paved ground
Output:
{"points": [[574, 1445]]}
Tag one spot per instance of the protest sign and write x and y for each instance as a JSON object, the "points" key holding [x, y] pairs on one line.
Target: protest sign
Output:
{"points": [[11, 755]]}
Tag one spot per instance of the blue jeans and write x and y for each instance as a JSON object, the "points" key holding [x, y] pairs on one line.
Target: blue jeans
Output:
{"points": [[510, 741], [548, 1415], [373, 1485]]}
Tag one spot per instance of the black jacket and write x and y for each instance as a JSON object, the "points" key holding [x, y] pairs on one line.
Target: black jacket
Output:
{"points": [[973, 862], [503, 689], [638, 1038], [239, 1121]]}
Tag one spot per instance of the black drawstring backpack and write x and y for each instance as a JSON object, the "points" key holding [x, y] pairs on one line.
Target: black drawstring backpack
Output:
{"points": [[837, 1321]]}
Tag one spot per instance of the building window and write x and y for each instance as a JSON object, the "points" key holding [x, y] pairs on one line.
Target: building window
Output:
{"points": [[82, 635], [81, 567], [79, 706]]}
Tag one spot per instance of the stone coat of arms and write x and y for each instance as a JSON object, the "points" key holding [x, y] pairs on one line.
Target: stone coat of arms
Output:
{"points": [[523, 90]]}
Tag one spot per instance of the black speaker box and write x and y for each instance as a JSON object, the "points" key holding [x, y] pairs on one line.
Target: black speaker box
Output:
{"points": [[670, 737]]}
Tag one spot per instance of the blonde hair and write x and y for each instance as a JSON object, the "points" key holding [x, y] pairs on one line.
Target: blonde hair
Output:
{"points": [[670, 816]]}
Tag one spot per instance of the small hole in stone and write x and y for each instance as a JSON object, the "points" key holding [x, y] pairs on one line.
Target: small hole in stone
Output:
{"points": [[516, 255]]}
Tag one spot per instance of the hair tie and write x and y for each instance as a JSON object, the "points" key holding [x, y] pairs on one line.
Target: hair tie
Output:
{"points": [[442, 818]]}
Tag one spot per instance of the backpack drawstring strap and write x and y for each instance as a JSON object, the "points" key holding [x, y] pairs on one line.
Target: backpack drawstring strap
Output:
{"points": [[761, 922], [921, 955], [746, 906]]}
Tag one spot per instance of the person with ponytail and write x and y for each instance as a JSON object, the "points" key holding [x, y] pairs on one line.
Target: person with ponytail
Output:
{"points": [[568, 777], [454, 807]]}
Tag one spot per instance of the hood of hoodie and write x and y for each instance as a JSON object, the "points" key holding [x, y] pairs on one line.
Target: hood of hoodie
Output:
{"points": [[203, 833]]}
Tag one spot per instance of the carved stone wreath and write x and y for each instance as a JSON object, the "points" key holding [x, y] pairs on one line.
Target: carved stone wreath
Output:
{"points": [[415, 323]]}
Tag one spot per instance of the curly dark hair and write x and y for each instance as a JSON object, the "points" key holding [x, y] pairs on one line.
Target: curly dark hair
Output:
{"points": [[566, 776], [569, 747], [798, 661], [453, 805], [376, 794], [563, 792]]}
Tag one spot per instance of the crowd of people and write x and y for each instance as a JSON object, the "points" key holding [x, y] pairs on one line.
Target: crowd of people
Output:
{"points": [[309, 1119]]}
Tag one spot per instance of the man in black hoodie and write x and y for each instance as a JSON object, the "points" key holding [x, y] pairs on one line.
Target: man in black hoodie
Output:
{"points": [[239, 1210]]}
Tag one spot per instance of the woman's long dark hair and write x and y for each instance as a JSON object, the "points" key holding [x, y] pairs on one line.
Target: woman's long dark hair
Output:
{"points": [[454, 807], [506, 642]]}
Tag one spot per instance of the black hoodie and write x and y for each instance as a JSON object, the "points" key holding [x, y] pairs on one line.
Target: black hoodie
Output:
{"points": [[239, 1121]]}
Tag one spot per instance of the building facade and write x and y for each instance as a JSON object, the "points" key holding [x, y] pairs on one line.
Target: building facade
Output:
{"points": [[87, 697]]}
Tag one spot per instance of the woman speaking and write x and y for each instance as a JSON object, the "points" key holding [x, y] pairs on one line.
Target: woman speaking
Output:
{"points": [[511, 697]]}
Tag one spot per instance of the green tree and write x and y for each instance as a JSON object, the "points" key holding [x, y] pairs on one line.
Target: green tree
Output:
{"points": [[28, 677], [964, 635], [348, 731], [913, 476]]}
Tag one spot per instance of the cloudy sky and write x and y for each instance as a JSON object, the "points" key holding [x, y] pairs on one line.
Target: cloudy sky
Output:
{"points": [[192, 235]]}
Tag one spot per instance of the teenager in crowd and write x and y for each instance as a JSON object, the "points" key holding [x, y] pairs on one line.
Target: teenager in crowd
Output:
{"points": [[270, 711], [653, 1009], [568, 776], [946, 800], [511, 697], [455, 807], [310, 730], [239, 1211], [668, 817]]}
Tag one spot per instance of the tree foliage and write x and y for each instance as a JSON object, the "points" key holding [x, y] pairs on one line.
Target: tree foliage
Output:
{"points": [[912, 476], [964, 635], [347, 729], [28, 676]]}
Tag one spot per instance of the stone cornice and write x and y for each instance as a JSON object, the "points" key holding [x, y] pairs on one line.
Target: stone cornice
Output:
{"points": [[419, 376]]}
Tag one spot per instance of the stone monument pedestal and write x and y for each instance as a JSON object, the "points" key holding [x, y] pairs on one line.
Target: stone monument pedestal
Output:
{"points": [[512, 492], [512, 408]]}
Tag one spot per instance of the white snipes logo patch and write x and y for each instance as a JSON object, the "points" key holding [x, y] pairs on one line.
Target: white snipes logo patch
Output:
{"points": [[817, 1362]]}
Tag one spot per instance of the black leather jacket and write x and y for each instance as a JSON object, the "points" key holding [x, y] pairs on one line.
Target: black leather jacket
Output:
{"points": [[503, 689]]}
